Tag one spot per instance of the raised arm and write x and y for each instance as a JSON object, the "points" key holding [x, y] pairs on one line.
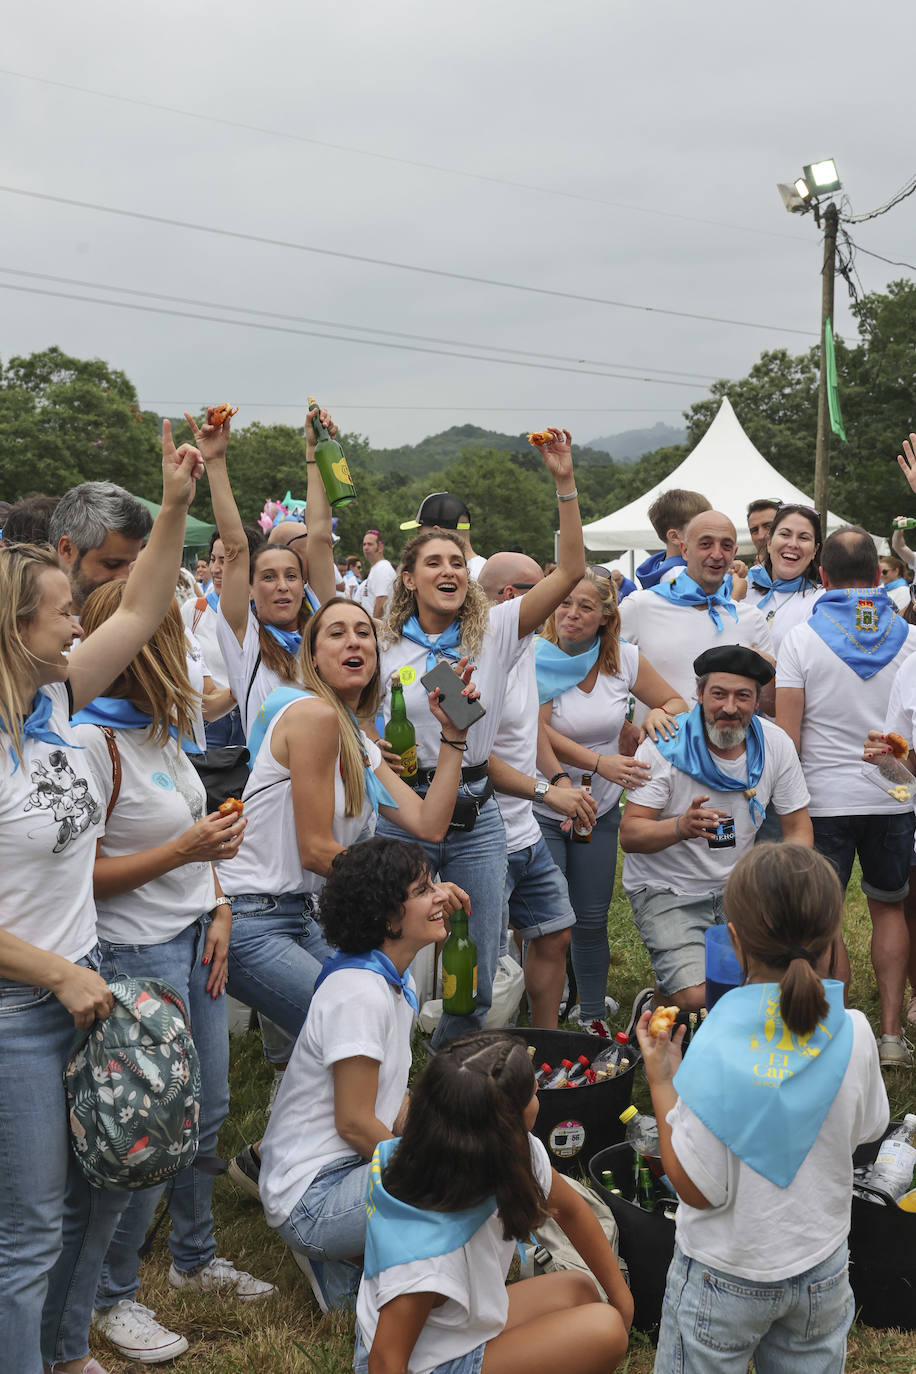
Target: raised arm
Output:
{"points": [[540, 601], [101, 657], [320, 545], [212, 440]]}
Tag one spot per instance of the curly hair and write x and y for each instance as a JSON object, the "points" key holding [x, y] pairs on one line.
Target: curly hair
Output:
{"points": [[473, 615], [366, 890], [465, 1138], [608, 631]]}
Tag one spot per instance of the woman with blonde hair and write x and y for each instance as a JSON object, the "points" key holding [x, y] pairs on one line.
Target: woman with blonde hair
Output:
{"points": [[55, 1228], [162, 914], [585, 677], [437, 613]]}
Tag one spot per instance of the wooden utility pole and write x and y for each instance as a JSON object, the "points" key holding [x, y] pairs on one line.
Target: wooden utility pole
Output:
{"points": [[822, 448]]}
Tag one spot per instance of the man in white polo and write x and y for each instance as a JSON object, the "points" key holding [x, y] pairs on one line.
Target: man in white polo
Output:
{"points": [[373, 593], [700, 811]]}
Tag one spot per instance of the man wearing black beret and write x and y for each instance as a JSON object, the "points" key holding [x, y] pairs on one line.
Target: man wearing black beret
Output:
{"points": [[686, 828]]}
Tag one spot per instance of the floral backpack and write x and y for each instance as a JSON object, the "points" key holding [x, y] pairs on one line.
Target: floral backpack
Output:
{"points": [[133, 1089]]}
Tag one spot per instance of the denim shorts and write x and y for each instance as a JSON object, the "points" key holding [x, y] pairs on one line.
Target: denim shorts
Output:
{"points": [[536, 893], [713, 1322], [884, 845], [673, 928], [462, 1364]]}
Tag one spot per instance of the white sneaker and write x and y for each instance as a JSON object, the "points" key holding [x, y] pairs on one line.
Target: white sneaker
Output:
{"points": [[611, 1008], [133, 1329], [221, 1275], [894, 1052]]}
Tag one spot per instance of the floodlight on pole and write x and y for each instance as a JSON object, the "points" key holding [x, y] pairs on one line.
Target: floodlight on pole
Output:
{"points": [[802, 189], [822, 177]]}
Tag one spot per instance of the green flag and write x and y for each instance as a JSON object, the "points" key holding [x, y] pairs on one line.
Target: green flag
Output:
{"points": [[833, 394]]}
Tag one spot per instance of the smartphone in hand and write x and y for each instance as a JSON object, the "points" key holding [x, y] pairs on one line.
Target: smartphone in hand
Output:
{"points": [[461, 711]]}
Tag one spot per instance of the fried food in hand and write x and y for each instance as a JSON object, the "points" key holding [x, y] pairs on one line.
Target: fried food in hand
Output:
{"points": [[899, 746], [231, 806], [662, 1019], [540, 437], [217, 415]]}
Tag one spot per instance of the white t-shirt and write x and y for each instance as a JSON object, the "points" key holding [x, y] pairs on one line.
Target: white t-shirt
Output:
{"points": [[840, 709], [754, 1228], [502, 648], [472, 1280], [516, 743], [379, 582], [268, 858], [240, 660], [198, 669], [691, 866], [301, 1134], [202, 624], [784, 610], [161, 797], [50, 818], [900, 597], [595, 719], [475, 566], [671, 637]]}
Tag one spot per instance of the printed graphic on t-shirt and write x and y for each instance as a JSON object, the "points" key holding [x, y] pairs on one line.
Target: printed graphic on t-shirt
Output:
{"points": [[183, 785], [67, 798]]}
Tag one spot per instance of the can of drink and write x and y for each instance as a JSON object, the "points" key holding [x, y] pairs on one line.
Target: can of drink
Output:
{"points": [[723, 837]]}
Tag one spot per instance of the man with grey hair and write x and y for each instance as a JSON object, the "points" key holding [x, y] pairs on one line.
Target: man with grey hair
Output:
{"points": [[98, 529], [536, 898]]}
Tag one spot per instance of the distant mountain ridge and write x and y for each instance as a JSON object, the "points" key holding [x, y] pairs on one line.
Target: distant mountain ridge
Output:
{"points": [[633, 443], [437, 451]]}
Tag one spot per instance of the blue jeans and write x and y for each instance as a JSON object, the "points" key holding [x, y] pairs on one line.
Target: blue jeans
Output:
{"points": [[589, 871], [536, 893], [328, 1224], [225, 731], [475, 860], [190, 1192], [54, 1227], [275, 955], [713, 1322]]}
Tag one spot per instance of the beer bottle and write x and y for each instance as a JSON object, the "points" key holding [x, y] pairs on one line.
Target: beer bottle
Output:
{"points": [[459, 968], [332, 464], [400, 734], [582, 834]]}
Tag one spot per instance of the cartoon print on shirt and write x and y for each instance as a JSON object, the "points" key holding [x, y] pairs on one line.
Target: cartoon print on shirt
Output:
{"points": [[67, 798]]}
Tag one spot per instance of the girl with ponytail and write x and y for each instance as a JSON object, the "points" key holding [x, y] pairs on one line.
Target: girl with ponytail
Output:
{"points": [[447, 1202], [758, 1126]]}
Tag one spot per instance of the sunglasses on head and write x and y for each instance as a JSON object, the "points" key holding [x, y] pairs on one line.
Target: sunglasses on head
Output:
{"points": [[797, 506], [600, 570]]}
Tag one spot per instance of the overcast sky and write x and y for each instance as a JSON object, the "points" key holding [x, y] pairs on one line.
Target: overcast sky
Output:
{"points": [[657, 131]]}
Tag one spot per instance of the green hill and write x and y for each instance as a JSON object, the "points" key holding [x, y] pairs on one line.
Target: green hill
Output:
{"points": [[438, 451]]}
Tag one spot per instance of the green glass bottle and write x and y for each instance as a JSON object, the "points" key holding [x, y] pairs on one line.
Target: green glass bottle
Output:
{"points": [[400, 734], [332, 464], [459, 968]]}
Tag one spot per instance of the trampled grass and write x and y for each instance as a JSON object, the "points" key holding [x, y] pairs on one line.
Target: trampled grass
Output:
{"points": [[288, 1335]]}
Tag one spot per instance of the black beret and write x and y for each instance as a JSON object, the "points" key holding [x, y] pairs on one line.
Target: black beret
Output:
{"points": [[734, 658]]}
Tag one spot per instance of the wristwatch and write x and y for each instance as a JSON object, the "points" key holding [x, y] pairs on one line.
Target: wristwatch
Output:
{"points": [[540, 789]]}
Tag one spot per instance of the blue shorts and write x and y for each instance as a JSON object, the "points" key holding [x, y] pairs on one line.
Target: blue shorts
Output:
{"points": [[884, 845], [673, 929], [462, 1364], [537, 897]]}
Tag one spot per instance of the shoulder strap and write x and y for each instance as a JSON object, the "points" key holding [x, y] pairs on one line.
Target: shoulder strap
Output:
{"points": [[200, 606], [254, 673], [115, 754]]}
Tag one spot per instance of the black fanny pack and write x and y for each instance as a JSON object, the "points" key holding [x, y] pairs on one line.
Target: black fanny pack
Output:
{"points": [[467, 809]]}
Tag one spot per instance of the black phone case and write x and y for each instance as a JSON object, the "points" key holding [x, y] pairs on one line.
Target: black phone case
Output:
{"points": [[461, 712]]}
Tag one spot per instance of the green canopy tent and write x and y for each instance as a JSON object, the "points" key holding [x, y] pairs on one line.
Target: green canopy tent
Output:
{"points": [[196, 532]]}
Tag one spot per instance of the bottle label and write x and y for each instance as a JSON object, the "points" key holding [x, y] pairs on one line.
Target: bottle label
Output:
{"points": [[474, 982], [409, 763], [450, 985], [341, 471]]}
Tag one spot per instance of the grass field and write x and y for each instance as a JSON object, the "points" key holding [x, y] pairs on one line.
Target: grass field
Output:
{"points": [[288, 1335]]}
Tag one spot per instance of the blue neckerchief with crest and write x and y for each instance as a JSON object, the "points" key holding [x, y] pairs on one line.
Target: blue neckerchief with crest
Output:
{"points": [[761, 1089], [397, 1232], [862, 627], [683, 591]]}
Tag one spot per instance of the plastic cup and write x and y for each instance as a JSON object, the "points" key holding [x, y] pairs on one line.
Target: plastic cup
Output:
{"points": [[723, 972]]}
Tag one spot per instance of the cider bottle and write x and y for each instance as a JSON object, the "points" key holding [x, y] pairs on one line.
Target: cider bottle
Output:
{"points": [[400, 734], [582, 834], [459, 968], [332, 464]]}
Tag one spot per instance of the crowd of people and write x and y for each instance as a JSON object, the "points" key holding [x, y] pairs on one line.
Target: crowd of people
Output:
{"points": [[724, 723]]}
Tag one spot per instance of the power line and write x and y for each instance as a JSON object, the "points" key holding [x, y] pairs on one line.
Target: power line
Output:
{"points": [[462, 405], [386, 262], [337, 324], [906, 190], [337, 338], [892, 262], [389, 157]]}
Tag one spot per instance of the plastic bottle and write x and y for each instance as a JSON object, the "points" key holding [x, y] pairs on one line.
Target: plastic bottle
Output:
{"points": [[582, 834], [576, 1077], [332, 464], [559, 1076], [542, 1074], [892, 1171], [400, 734], [612, 1055], [642, 1133], [459, 968]]}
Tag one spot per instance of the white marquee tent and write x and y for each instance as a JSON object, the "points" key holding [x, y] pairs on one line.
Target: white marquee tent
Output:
{"points": [[726, 467]]}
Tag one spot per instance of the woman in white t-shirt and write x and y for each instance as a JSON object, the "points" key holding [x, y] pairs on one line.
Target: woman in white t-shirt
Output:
{"points": [[785, 586], [583, 723], [446, 1204], [765, 1175], [346, 1085], [263, 605], [162, 914], [50, 815]]}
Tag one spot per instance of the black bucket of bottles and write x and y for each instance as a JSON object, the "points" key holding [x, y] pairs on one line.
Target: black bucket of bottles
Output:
{"points": [[575, 1123], [646, 1238], [882, 1257]]}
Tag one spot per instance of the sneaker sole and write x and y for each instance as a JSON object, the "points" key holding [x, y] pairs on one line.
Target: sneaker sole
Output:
{"points": [[305, 1266], [241, 1180], [161, 1356]]}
